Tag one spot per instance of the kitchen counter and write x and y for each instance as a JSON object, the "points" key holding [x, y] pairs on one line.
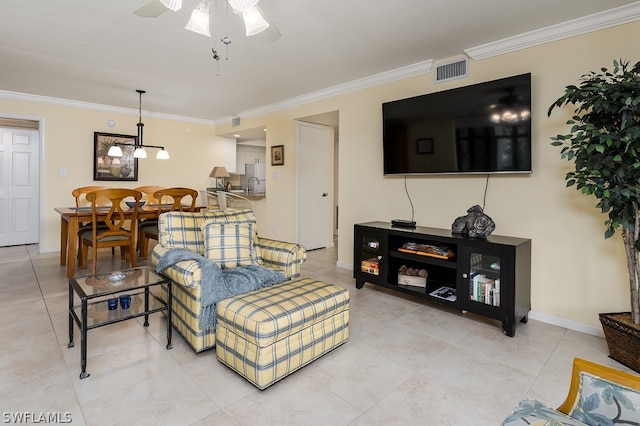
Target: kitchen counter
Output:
{"points": [[253, 196]]}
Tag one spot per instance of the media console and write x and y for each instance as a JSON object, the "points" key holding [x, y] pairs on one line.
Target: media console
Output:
{"points": [[490, 277]]}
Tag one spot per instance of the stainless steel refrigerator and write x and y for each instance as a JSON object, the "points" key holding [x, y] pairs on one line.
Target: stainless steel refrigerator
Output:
{"points": [[254, 178]]}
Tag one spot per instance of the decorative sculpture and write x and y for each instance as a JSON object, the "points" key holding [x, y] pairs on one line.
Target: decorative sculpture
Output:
{"points": [[475, 223]]}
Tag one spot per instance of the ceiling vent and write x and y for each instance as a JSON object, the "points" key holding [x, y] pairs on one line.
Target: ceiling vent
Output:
{"points": [[235, 121], [452, 71]]}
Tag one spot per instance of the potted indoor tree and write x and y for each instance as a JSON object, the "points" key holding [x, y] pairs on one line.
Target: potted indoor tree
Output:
{"points": [[604, 146]]}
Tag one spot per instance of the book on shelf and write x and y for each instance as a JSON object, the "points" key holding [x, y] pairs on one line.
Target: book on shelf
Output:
{"points": [[446, 293]]}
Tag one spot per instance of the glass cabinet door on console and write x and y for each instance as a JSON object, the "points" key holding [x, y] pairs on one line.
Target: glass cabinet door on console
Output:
{"points": [[489, 286], [370, 248], [483, 278]]}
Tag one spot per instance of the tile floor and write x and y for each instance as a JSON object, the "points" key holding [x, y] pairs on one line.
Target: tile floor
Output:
{"points": [[407, 362]]}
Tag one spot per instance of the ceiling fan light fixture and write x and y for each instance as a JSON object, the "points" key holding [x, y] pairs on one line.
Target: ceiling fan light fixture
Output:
{"points": [[199, 21], [172, 4], [242, 5], [254, 22]]}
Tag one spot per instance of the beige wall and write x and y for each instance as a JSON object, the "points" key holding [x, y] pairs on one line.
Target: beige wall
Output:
{"points": [[67, 136], [576, 273]]}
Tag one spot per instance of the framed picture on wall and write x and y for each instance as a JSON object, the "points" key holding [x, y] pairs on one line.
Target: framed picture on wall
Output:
{"points": [[277, 155], [425, 146], [123, 168]]}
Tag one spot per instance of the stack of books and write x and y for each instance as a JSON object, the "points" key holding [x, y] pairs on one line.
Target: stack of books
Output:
{"points": [[485, 290], [370, 266]]}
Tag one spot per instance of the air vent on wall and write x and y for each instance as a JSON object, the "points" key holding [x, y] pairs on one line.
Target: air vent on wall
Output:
{"points": [[452, 71], [235, 121]]}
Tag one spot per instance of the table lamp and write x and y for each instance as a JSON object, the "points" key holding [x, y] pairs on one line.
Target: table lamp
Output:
{"points": [[219, 173]]}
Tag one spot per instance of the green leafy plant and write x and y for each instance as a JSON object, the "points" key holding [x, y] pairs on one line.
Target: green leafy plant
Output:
{"points": [[604, 145]]}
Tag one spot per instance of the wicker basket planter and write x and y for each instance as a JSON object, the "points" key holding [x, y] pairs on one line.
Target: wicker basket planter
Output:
{"points": [[623, 338]]}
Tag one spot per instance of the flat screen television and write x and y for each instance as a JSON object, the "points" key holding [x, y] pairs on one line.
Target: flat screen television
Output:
{"points": [[482, 128]]}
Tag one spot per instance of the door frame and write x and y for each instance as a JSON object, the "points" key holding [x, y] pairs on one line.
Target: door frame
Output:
{"points": [[331, 197]]}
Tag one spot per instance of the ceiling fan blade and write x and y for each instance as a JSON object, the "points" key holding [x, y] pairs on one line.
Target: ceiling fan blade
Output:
{"points": [[270, 34], [151, 9]]}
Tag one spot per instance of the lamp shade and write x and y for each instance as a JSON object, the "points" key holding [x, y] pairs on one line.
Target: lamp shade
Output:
{"points": [[115, 151], [162, 155], [219, 171], [242, 5], [254, 22], [140, 153], [199, 22]]}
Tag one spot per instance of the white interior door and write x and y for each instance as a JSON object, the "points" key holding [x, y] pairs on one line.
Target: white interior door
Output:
{"points": [[19, 186], [315, 184]]}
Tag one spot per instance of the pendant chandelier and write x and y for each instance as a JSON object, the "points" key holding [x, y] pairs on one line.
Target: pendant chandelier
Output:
{"points": [[139, 146]]}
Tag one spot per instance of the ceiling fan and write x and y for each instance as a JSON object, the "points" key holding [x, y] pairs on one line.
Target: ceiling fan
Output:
{"points": [[254, 18], [155, 8]]}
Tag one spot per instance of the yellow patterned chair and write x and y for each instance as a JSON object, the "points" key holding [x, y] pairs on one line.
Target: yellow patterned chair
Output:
{"points": [[598, 396], [184, 230]]}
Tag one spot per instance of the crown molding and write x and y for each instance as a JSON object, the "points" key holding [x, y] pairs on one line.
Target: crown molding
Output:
{"points": [[598, 21], [98, 107], [610, 18], [420, 68]]}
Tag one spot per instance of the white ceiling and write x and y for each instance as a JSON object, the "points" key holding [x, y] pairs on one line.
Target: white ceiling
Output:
{"points": [[98, 51]]}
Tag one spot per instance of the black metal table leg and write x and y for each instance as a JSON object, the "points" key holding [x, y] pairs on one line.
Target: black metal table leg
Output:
{"points": [[146, 306], [71, 344], [169, 310], [83, 341]]}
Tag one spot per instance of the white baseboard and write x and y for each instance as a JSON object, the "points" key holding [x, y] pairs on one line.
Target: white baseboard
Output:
{"points": [[566, 323], [343, 265]]}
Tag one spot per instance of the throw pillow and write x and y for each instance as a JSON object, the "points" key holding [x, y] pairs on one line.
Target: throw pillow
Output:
{"points": [[238, 216], [229, 244]]}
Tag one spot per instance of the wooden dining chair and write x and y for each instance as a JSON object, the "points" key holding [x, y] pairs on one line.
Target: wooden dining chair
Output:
{"points": [[80, 194], [115, 234], [148, 232], [148, 192], [150, 200]]}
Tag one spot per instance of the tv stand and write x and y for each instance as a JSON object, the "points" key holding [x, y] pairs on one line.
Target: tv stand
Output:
{"points": [[490, 277]]}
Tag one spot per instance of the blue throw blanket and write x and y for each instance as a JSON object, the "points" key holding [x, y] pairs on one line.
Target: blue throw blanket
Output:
{"points": [[218, 284]]}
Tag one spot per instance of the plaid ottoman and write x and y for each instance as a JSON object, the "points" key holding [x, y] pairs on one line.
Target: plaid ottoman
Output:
{"points": [[265, 335]]}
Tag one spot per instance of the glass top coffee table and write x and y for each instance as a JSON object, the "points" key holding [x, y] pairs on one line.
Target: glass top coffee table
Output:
{"points": [[95, 291]]}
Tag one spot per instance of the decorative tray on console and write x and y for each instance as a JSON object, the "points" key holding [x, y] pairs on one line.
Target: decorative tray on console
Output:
{"points": [[431, 250]]}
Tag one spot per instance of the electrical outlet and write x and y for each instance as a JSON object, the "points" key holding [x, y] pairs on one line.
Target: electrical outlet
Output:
{"points": [[274, 230], [63, 172]]}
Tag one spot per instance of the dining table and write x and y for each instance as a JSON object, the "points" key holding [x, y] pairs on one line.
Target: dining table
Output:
{"points": [[72, 217]]}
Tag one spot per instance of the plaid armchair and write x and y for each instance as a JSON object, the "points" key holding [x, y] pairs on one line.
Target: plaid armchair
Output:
{"points": [[184, 230]]}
